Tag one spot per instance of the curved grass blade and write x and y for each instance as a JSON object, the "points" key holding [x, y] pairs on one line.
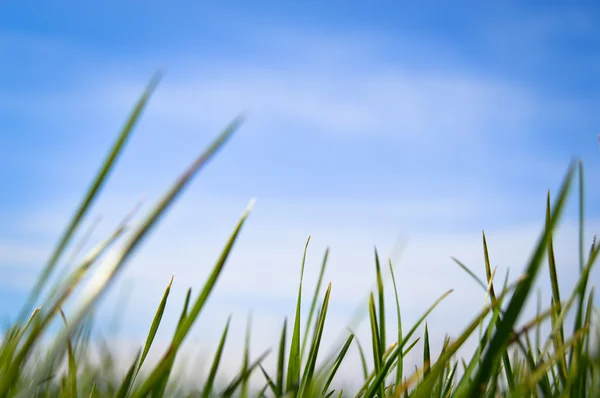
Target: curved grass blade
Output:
{"points": [[92, 193], [363, 359], [505, 326]]}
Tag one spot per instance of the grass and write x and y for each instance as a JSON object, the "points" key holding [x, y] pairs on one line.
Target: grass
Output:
{"points": [[507, 362]]}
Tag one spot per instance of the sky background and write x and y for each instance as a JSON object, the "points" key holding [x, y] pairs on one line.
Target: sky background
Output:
{"points": [[402, 127]]}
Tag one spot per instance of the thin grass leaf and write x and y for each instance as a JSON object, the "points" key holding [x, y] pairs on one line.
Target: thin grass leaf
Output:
{"points": [[294, 360], [379, 378], [363, 359], [166, 362], [228, 392], [71, 362], [128, 381], [91, 194], [209, 384], [153, 328], [337, 364], [515, 305], [426, 352], [309, 369], [246, 362], [313, 303], [399, 366], [281, 361]]}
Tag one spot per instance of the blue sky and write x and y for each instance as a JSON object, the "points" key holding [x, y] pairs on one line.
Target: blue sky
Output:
{"points": [[396, 125]]}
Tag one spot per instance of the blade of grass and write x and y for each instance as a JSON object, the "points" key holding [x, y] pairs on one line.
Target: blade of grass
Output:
{"points": [[246, 362], [294, 360], [281, 361], [228, 392], [103, 278], [187, 322], [91, 194], [309, 369], [209, 385], [505, 326], [399, 366], [313, 304], [153, 329], [337, 364]]}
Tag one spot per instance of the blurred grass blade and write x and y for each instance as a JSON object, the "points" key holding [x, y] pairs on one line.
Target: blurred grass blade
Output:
{"points": [[103, 278], [281, 361], [91, 194], [71, 362], [246, 363]]}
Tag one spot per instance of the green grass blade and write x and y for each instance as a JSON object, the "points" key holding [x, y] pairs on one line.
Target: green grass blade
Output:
{"points": [[71, 362], [337, 364], [281, 361], [400, 363], [91, 194], [154, 328], [426, 386], [363, 359], [426, 352], [381, 296], [313, 304], [233, 386], [270, 383], [309, 369], [128, 381], [505, 326], [246, 362], [379, 378], [294, 360], [187, 322], [209, 385], [488, 273]]}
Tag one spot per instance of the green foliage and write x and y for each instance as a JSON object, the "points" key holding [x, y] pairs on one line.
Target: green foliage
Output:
{"points": [[505, 363]]}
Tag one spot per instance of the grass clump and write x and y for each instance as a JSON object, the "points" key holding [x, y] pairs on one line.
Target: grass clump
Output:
{"points": [[506, 362]]}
